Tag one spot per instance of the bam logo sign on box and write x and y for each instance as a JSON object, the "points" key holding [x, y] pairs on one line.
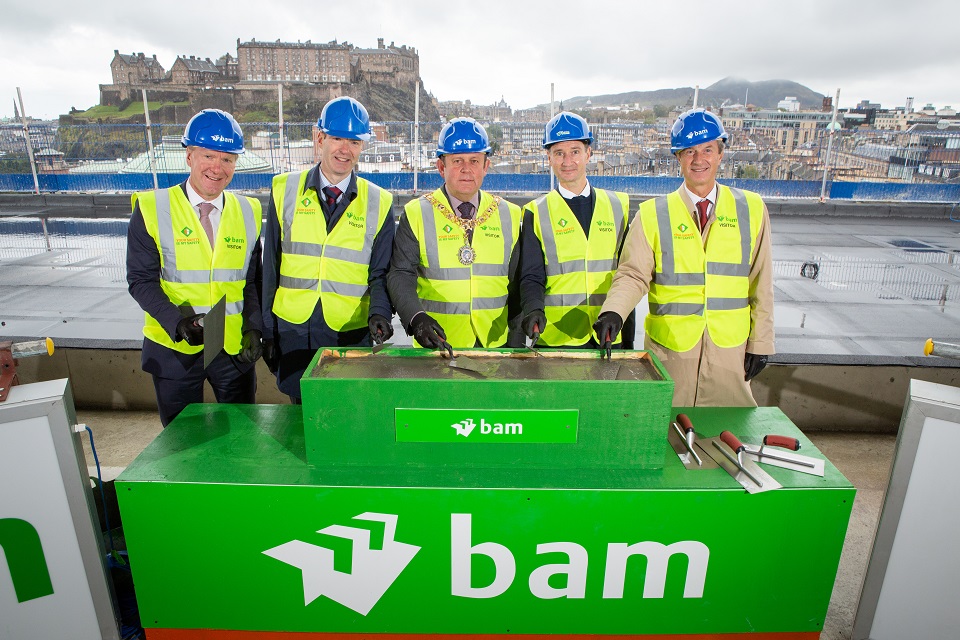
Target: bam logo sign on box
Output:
{"points": [[375, 570], [465, 428]]}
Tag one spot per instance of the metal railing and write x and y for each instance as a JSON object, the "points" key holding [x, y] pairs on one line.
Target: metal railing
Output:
{"points": [[633, 157]]}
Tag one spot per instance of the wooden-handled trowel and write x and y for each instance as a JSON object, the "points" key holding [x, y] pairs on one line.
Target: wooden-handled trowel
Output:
{"points": [[683, 439], [729, 453]]}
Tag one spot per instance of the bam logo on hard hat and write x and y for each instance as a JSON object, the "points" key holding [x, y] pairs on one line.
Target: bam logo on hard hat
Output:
{"points": [[702, 132], [219, 138], [373, 571]]}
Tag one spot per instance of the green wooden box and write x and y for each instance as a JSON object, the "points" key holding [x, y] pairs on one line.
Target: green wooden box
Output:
{"points": [[558, 410], [233, 535]]}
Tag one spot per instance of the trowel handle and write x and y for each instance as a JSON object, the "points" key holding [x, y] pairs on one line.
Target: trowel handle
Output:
{"points": [[731, 441], [684, 422], [785, 442]]}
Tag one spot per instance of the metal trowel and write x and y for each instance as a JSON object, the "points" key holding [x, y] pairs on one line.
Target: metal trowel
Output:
{"points": [[214, 329], [729, 453], [765, 455], [483, 369], [683, 439]]}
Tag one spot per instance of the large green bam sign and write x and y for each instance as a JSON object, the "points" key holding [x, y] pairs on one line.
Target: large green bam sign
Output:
{"points": [[435, 550]]}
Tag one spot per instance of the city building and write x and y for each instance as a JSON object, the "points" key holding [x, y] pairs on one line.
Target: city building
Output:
{"points": [[294, 62], [135, 68], [788, 129]]}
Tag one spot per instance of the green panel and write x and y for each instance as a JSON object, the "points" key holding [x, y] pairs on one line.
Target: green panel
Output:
{"points": [[623, 404], [481, 426], [198, 556]]}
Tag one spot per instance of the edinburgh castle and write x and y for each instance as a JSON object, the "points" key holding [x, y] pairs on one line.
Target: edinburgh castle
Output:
{"points": [[384, 79]]}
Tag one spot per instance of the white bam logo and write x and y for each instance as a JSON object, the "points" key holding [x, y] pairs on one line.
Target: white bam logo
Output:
{"points": [[465, 428], [372, 573]]}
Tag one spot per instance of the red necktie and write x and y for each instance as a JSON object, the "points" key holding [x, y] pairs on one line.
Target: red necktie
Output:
{"points": [[702, 207], [332, 194], [205, 209]]}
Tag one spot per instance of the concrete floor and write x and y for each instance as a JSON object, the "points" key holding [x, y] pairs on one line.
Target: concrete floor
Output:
{"points": [[863, 458]]}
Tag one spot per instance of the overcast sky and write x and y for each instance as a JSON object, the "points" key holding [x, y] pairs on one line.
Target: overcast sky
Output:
{"points": [[59, 51]]}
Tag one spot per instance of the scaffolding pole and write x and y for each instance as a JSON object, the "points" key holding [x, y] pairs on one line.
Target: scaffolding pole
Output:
{"points": [[26, 136]]}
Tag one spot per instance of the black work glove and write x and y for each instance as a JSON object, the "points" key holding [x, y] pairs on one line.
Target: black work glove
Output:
{"points": [[534, 323], [752, 365], [380, 329], [427, 331], [607, 327], [250, 347], [189, 329], [271, 355]]}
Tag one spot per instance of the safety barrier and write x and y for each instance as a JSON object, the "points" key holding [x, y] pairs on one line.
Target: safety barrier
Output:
{"points": [[506, 183]]}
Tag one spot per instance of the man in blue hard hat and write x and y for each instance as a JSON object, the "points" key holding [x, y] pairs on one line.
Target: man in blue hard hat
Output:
{"points": [[456, 250], [327, 247], [703, 256], [571, 243], [187, 247]]}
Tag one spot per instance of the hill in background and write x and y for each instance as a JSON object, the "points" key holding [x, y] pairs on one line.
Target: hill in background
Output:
{"points": [[765, 94]]}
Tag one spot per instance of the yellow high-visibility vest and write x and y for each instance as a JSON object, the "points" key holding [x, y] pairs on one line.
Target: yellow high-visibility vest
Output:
{"points": [[192, 274], [699, 287], [579, 269], [469, 301], [333, 268]]}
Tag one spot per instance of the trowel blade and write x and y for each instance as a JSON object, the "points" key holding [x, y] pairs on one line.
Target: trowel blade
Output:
{"points": [[686, 458], [785, 459], [214, 329], [725, 457], [485, 369]]}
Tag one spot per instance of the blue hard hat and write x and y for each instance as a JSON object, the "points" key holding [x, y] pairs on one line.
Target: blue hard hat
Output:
{"points": [[463, 135], [695, 127], [566, 126], [344, 117], [215, 130]]}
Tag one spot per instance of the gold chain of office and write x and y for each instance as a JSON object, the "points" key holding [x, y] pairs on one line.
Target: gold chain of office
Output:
{"points": [[465, 254]]}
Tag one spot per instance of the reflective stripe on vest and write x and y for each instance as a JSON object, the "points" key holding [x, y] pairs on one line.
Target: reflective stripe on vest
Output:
{"points": [[578, 278], [684, 301], [192, 274], [331, 268], [470, 302]]}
